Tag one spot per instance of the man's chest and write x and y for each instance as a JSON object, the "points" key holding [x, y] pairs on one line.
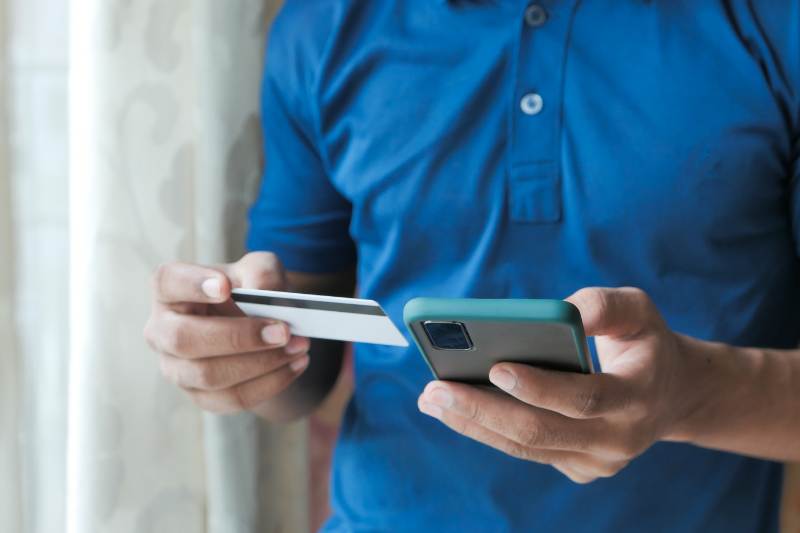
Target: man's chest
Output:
{"points": [[578, 113]]}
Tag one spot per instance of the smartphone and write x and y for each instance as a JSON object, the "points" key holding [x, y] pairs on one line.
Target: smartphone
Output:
{"points": [[462, 338]]}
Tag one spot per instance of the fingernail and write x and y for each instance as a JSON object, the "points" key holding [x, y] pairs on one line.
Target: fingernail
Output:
{"points": [[212, 288], [503, 379], [274, 334], [300, 364], [430, 409], [441, 397], [297, 345]]}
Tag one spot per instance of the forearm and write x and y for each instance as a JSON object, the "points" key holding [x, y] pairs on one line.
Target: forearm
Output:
{"points": [[745, 400]]}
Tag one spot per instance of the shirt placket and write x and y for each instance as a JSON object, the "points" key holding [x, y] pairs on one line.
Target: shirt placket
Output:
{"points": [[536, 109]]}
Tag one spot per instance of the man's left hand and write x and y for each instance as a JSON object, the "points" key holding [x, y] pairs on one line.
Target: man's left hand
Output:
{"points": [[586, 426]]}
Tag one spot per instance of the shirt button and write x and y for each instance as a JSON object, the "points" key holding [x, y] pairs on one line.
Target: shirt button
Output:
{"points": [[531, 103], [535, 15]]}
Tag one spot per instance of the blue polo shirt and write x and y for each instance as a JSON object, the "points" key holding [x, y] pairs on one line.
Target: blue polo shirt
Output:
{"points": [[506, 149]]}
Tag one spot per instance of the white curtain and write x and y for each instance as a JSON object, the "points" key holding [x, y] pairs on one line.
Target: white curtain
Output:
{"points": [[165, 156], [165, 159], [9, 449], [33, 262]]}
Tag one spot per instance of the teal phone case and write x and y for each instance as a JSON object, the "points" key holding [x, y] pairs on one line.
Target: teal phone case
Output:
{"points": [[543, 333]]}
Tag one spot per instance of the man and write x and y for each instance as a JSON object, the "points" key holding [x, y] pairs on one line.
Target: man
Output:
{"points": [[510, 149]]}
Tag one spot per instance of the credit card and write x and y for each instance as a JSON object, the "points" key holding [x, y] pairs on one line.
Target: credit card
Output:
{"points": [[323, 317]]}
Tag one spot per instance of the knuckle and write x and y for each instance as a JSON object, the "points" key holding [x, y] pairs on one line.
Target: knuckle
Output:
{"points": [[636, 407], [246, 336], [474, 413], [611, 469], [205, 374], [583, 295], [530, 436], [167, 370], [526, 454], [590, 403], [174, 339], [236, 339], [271, 360], [217, 405], [638, 294], [643, 302], [628, 448], [638, 446], [159, 275], [573, 476], [268, 279], [148, 332], [593, 301], [457, 424], [261, 257], [606, 471], [643, 299], [587, 293], [268, 259], [600, 302], [243, 399], [263, 260], [263, 270]]}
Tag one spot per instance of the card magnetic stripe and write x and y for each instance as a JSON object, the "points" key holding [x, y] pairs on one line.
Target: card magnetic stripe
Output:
{"points": [[342, 307]]}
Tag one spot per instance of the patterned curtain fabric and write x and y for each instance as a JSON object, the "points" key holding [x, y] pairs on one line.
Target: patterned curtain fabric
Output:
{"points": [[165, 159]]}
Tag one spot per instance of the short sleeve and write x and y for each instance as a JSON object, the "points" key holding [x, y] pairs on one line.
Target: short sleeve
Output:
{"points": [[298, 214]]}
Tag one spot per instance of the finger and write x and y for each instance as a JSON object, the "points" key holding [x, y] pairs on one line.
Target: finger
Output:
{"points": [[217, 373], [248, 395], [192, 336], [580, 467], [482, 434], [589, 467], [623, 313], [258, 270], [568, 393], [526, 425], [574, 475], [185, 283]]}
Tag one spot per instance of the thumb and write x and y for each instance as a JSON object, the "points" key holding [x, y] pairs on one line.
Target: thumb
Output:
{"points": [[257, 270], [615, 312]]}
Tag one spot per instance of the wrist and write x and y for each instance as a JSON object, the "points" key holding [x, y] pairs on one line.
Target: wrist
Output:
{"points": [[713, 376]]}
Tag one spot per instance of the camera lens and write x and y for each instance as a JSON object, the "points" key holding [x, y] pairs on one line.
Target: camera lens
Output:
{"points": [[447, 335]]}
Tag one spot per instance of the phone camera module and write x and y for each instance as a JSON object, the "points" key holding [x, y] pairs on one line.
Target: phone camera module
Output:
{"points": [[447, 335]]}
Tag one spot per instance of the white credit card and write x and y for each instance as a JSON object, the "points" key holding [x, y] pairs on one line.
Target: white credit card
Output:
{"points": [[322, 317]]}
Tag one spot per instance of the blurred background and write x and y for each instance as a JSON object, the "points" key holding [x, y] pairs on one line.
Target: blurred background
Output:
{"points": [[129, 136]]}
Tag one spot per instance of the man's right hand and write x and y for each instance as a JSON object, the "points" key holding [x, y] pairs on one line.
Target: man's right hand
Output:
{"points": [[225, 361]]}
